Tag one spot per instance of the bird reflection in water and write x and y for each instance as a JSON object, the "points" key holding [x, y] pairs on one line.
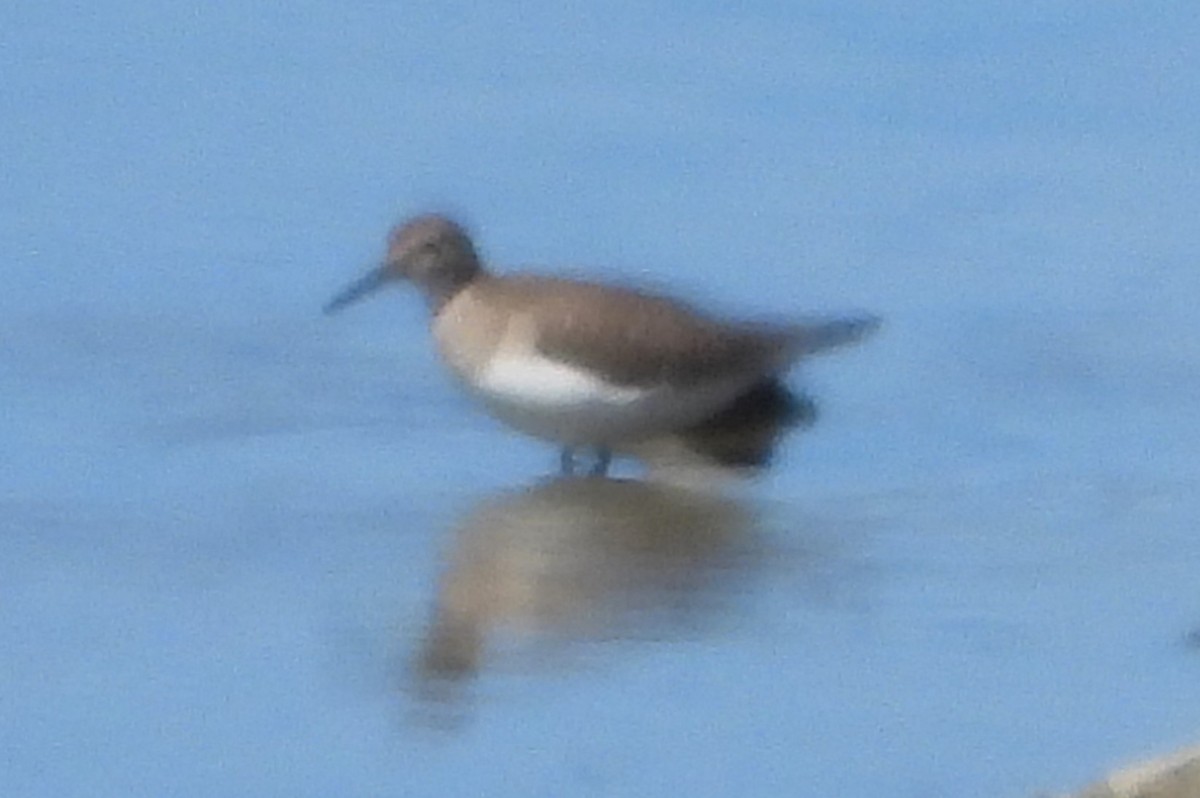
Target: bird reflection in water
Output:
{"points": [[581, 559]]}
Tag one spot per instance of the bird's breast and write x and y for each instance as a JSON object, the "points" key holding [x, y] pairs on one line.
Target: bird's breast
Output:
{"points": [[467, 333]]}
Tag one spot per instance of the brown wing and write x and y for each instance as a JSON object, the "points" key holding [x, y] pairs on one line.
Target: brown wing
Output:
{"points": [[637, 339]]}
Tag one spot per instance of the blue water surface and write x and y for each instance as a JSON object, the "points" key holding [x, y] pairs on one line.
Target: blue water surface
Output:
{"points": [[249, 550]]}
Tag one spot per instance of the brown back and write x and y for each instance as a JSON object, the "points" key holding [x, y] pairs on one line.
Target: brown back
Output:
{"points": [[638, 339]]}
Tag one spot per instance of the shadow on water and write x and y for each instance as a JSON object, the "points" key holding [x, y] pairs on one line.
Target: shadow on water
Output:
{"points": [[1192, 639], [579, 559]]}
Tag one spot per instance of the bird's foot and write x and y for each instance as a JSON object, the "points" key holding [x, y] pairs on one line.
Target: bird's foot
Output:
{"points": [[603, 459], [599, 466]]}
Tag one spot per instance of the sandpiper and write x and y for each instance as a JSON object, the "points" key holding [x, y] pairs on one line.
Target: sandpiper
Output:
{"points": [[588, 365]]}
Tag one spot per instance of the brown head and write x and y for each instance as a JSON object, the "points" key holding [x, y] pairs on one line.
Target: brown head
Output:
{"points": [[432, 252]]}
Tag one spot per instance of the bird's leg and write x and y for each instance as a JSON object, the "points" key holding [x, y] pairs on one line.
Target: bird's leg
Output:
{"points": [[603, 458], [566, 460]]}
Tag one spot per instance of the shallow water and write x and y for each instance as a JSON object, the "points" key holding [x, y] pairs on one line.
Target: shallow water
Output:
{"points": [[245, 549]]}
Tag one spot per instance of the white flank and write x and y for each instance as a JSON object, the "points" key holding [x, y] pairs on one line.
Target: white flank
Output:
{"points": [[535, 381]]}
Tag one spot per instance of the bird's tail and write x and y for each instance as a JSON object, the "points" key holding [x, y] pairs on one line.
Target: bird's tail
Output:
{"points": [[816, 335], [742, 438]]}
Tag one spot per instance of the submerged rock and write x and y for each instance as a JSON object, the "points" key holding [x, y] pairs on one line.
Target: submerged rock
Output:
{"points": [[1176, 775]]}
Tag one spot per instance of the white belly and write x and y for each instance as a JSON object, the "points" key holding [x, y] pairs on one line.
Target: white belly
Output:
{"points": [[553, 400]]}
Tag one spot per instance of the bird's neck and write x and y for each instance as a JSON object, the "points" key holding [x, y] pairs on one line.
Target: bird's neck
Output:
{"points": [[448, 283]]}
